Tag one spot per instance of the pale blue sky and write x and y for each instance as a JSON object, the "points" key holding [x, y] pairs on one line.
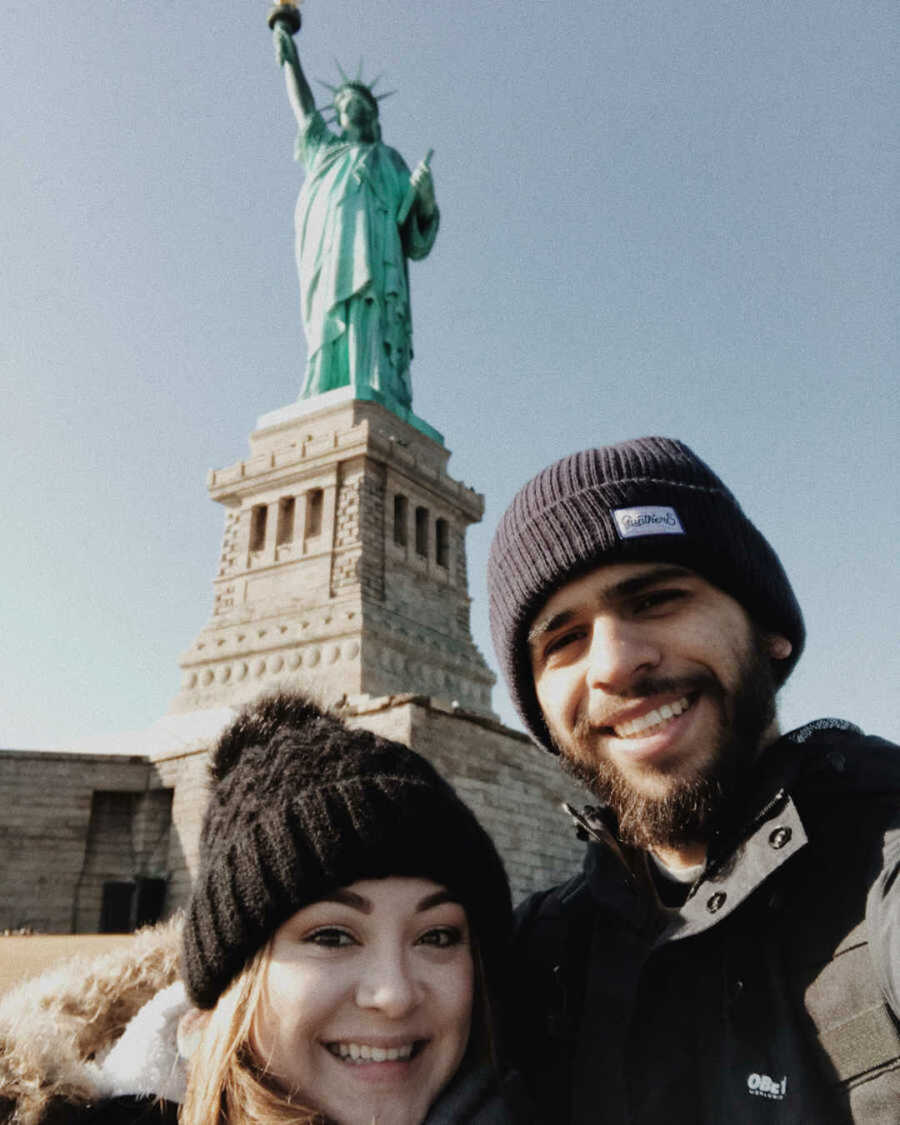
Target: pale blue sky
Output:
{"points": [[656, 218]]}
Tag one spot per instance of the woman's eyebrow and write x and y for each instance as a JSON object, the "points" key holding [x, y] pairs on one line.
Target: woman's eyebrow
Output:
{"points": [[348, 898], [436, 899]]}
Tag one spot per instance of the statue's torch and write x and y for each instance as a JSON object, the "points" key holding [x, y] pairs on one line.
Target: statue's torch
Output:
{"points": [[287, 13]]}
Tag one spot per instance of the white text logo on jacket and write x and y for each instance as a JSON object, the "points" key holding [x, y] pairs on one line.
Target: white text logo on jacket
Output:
{"points": [[765, 1087]]}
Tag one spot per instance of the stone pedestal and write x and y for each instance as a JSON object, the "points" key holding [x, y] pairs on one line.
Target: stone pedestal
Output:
{"points": [[343, 565]]}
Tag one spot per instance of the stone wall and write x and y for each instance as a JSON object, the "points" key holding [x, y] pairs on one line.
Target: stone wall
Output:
{"points": [[45, 815], [127, 839], [53, 863], [186, 774]]}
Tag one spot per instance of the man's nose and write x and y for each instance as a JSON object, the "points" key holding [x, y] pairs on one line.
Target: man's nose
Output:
{"points": [[620, 651], [388, 984]]}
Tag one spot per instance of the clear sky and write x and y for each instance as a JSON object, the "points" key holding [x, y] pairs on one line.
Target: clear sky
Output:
{"points": [[657, 217]]}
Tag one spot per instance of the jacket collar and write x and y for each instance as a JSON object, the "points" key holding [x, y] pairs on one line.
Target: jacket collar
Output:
{"points": [[768, 831]]}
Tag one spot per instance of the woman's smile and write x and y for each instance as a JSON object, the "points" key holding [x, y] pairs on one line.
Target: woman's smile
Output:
{"points": [[368, 1052]]}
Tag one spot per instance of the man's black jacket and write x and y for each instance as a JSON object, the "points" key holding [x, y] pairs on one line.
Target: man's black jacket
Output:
{"points": [[770, 996]]}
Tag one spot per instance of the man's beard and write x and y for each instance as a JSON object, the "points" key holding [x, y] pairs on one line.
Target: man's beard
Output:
{"points": [[687, 812]]}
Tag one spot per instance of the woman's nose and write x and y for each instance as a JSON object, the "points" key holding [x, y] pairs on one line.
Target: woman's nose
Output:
{"points": [[388, 984]]}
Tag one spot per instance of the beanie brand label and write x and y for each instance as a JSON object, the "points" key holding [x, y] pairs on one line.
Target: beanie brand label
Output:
{"points": [[647, 520]]}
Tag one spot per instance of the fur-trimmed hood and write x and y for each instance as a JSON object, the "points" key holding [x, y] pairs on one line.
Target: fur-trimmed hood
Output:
{"points": [[61, 1034], [93, 1029]]}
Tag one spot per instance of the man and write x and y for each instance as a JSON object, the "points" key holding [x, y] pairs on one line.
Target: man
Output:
{"points": [[731, 950], [360, 216]]}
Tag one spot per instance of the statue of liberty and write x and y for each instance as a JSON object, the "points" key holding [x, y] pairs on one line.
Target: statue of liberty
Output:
{"points": [[360, 215]]}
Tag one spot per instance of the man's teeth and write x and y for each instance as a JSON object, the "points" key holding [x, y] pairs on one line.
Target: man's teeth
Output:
{"points": [[362, 1052], [653, 718]]}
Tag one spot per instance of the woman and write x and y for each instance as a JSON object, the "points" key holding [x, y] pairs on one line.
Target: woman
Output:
{"points": [[347, 919]]}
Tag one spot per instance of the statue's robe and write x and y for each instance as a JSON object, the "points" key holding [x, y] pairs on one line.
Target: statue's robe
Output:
{"points": [[352, 261]]}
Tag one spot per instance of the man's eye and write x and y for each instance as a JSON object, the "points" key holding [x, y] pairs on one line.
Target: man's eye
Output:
{"points": [[443, 937], [331, 937], [646, 603], [559, 643]]}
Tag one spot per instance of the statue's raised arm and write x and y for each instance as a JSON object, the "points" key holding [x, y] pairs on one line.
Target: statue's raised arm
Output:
{"points": [[360, 216], [299, 94]]}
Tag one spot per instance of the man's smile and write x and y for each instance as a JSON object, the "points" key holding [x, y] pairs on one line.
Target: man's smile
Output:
{"points": [[649, 715]]}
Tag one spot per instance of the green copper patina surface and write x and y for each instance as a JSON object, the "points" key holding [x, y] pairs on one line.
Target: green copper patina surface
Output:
{"points": [[352, 247]]}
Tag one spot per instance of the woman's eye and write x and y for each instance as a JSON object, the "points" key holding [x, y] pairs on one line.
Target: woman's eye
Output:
{"points": [[443, 937], [330, 937]]}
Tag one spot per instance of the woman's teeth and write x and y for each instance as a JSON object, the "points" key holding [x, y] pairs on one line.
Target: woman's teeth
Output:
{"points": [[653, 718], [362, 1052]]}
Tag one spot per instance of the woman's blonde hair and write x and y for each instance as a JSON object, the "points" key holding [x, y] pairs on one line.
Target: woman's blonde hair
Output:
{"points": [[227, 1082]]}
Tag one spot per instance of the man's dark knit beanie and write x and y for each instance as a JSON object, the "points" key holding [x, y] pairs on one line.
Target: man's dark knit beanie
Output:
{"points": [[651, 499], [300, 805]]}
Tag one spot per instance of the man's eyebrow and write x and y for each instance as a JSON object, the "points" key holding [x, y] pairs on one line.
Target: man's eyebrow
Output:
{"points": [[627, 588], [540, 628], [348, 898]]}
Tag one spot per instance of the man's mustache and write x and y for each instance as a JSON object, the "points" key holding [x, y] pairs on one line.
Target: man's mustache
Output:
{"points": [[599, 720]]}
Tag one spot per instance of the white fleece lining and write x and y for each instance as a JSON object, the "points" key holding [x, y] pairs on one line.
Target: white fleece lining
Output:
{"points": [[144, 1061]]}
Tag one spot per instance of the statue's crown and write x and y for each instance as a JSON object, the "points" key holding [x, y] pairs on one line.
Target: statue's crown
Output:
{"points": [[366, 89]]}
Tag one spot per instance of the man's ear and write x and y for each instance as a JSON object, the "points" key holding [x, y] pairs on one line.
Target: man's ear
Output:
{"points": [[780, 648], [190, 1028]]}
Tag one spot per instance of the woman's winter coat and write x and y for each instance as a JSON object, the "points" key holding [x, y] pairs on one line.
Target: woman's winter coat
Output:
{"points": [[94, 1042]]}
